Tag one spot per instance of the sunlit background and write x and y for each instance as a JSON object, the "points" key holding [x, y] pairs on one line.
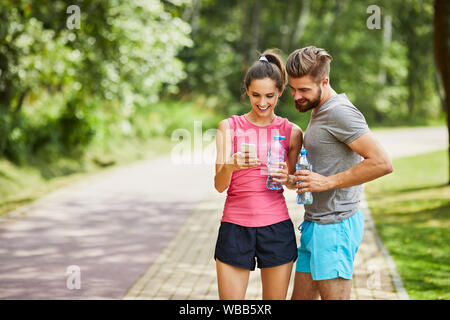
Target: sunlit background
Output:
{"points": [[86, 85]]}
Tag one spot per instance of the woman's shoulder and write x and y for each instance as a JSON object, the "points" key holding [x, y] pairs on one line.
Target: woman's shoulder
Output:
{"points": [[234, 121], [290, 128], [224, 124], [296, 131], [230, 122], [285, 122], [296, 128]]}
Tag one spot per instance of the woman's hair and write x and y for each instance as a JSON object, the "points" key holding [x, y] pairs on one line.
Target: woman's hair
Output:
{"points": [[309, 61], [270, 65]]}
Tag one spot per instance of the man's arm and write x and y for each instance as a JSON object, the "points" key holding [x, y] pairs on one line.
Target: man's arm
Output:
{"points": [[376, 163]]}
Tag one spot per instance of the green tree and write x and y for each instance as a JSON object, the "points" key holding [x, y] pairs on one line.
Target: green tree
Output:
{"points": [[388, 72], [120, 57]]}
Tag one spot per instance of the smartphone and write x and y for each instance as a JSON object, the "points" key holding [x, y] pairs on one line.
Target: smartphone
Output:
{"points": [[250, 148]]}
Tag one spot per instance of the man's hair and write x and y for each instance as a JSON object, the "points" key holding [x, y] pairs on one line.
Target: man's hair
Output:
{"points": [[309, 61]]}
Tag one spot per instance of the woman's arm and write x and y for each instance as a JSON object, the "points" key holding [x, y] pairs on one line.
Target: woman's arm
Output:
{"points": [[223, 145], [294, 151], [226, 161]]}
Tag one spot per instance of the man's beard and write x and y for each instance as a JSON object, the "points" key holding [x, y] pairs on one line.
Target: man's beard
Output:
{"points": [[311, 104]]}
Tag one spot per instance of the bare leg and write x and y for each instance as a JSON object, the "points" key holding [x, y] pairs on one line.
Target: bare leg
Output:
{"points": [[335, 289], [231, 281], [305, 288], [275, 281]]}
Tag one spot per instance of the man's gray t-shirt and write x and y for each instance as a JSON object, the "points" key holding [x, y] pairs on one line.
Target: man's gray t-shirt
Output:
{"points": [[335, 124]]}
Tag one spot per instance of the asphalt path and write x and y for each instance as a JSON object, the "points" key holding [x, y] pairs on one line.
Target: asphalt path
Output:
{"points": [[111, 226]]}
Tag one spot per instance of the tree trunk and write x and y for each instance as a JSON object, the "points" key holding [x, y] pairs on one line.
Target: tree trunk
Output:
{"points": [[301, 23], [439, 91], [387, 39], [245, 38], [286, 32], [20, 101], [195, 16], [255, 29], [192, 13], [442, 51]]}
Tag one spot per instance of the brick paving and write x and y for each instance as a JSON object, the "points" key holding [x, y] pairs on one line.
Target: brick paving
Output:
{"points": [[185, 269]]}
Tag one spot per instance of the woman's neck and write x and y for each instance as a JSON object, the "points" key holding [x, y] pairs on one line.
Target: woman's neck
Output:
{"points": [[260, 121]]}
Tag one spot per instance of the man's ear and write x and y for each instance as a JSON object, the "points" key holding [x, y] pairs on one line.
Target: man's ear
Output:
{"points": [[281, 92], [325, 81]]}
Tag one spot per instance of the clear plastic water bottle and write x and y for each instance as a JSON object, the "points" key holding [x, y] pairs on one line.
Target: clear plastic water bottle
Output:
{"points": [[303, 164], [276, 155]]}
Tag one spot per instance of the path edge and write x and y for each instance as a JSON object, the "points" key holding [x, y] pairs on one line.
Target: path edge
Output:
{"points": [[396, 279]]}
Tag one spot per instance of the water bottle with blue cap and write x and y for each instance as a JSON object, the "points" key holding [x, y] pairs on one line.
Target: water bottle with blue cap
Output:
{"points": [[304, 164], [276, 155]]}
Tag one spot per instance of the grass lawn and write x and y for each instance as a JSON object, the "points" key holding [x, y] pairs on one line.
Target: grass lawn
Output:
{"points": [[20, 185], [411, 209]]}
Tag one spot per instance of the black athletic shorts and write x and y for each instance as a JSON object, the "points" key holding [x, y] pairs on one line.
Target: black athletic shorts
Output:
{"points": [[272, 245]]}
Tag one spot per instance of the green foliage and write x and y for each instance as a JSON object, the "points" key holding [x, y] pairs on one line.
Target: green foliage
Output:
{"points": [[62, 89], [163, 118], [388, 73], [90, 78]]}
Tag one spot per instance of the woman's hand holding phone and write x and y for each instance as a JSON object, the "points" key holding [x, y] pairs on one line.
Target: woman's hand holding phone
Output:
{"points": [[245, 159]]}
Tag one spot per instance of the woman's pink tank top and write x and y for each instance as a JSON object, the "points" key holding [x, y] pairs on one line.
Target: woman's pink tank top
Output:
{"points": [[249, 203]]}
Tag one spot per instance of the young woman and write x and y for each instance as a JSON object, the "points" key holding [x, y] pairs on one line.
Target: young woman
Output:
{"points": [[255, 224]]}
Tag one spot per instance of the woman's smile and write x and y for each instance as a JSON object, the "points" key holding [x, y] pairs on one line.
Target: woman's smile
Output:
{"points": [[263, 109]]}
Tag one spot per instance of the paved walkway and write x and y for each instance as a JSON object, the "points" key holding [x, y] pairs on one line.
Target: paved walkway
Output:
{"points": [[186, 269], [144, 232]]}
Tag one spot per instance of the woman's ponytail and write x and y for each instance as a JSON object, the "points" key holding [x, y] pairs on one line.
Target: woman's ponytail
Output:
{"points": [[270, 65]]}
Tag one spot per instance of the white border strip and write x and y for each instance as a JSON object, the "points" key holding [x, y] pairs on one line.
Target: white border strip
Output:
{"points": [[396, 279]]}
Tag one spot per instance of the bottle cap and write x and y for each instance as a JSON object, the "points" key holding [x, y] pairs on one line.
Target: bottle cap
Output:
{"points": [[303, 152], [278, 137]]}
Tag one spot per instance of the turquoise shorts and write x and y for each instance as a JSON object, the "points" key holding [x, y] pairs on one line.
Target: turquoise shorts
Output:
{"points": [[327, 251]]}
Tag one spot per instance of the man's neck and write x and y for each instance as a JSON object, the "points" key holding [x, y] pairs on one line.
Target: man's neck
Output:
{"points": [[327, 93]]}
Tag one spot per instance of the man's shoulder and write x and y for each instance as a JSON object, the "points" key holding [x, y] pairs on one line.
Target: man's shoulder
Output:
{"points": [[342, 108], [342, 101], [345, 121], [334, 104]]}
